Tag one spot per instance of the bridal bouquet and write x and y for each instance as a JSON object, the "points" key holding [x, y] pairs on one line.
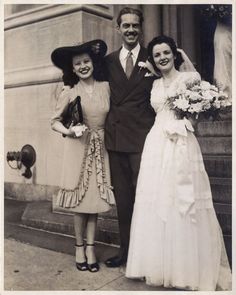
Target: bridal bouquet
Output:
{"points": [[198, 97]]}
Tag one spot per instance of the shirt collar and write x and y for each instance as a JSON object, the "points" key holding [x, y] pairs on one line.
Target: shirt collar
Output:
{"points": [[124, 52]]}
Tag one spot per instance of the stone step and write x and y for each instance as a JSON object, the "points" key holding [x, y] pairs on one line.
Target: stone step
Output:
{"points": [[23, 223], [215, 128], [228, 246], [216, 145], [52, 241], [218, 165], [39, 215], [221, 190], [224, 216]]}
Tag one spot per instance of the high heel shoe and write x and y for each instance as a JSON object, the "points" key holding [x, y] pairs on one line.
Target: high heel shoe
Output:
{"points": [[82, 266], [93, 267]]}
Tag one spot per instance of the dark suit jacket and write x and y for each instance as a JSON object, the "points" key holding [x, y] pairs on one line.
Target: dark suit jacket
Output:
{"points": [[131, 115]]}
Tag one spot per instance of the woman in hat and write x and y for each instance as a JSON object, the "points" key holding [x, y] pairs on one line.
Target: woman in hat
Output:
{"points": [[85, 183]]}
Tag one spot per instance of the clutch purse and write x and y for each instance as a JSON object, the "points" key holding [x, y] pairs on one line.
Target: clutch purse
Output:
{"points": [[73, 114]]}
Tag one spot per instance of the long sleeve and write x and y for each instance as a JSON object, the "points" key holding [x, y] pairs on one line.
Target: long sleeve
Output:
{"points": [[62, 104]]}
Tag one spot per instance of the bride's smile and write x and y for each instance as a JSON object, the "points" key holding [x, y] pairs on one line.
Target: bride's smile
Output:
{"points": [[163, 57], [164, 62]]}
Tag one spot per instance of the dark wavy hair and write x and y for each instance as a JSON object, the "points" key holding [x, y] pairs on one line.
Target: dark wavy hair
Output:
{"points": [[171, 43], [70, 78], [130, 10]]}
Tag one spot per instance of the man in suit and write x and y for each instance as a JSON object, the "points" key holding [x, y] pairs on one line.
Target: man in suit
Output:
{"points": [[129, 120]]}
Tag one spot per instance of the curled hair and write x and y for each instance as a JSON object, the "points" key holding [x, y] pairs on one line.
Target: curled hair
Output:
{"points": [[130, 10], [70, 78], [171, 43]]}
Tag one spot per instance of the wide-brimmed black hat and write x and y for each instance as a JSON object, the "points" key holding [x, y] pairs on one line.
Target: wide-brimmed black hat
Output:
{"points": [[62, 56]]}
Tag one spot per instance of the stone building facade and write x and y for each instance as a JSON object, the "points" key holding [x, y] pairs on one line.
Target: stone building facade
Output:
{"points": [[31, 83]]}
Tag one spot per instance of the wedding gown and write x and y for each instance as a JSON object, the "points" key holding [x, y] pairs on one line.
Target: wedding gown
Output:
{"points": [[175, 238]]}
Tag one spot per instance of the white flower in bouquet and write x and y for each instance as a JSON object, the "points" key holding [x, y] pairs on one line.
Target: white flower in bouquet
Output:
{"points": [[195, 87], [213, 93], [225, 103], [206, 105], [221, 101], [192, 95], [214, 88], [216, 104], [195, 107], [181, 103], [190, 81], [205, 85], [223, 95], [208, 95]]}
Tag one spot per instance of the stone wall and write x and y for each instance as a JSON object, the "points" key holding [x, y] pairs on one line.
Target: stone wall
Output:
{"points": [[31, 83]]}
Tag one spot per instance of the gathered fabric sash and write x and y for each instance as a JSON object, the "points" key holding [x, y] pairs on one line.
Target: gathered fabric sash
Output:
{"points": [[94, 151], [176, 131]]}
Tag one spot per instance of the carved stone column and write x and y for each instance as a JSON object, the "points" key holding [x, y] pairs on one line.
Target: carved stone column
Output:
{"points": [[170, 21], [152, 25]]}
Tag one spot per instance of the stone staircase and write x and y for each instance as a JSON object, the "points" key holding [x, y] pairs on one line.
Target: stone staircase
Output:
{"points": [[38, 220], [215, 139], [39, 215]]}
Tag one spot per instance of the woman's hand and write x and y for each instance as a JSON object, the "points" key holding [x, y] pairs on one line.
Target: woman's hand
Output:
{"points": [[70, 132], [79, 129], [59, 127]]}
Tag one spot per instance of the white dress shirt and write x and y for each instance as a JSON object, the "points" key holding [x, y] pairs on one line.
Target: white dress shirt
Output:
{"points": [[124, 54]]}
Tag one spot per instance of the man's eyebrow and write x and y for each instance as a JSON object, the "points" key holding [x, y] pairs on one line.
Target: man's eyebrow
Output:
{"points": [[128, 23]]}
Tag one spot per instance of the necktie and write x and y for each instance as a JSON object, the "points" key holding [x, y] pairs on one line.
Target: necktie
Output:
{"points": [[129, 64]]}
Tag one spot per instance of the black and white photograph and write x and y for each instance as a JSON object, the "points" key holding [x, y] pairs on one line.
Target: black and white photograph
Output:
{"points": [[117, 147]]}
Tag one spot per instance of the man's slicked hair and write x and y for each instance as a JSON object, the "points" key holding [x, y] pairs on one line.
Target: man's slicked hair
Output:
{"points": [[130, 10]]}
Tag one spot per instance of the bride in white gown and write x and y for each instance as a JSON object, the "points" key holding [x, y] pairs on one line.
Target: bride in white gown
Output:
{"points": [[175, 239]]}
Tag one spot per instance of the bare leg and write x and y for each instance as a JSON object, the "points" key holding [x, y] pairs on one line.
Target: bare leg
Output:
{"points": [[80, 221], [91, 231], [91, 228]]}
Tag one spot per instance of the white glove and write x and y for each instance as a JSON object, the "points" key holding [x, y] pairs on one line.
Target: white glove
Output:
{"points": [[79, 130]]}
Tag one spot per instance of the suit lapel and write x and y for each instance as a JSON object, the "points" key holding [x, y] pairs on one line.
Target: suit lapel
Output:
{"points": [[118, 67], [137, 74], [127, 85]]}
